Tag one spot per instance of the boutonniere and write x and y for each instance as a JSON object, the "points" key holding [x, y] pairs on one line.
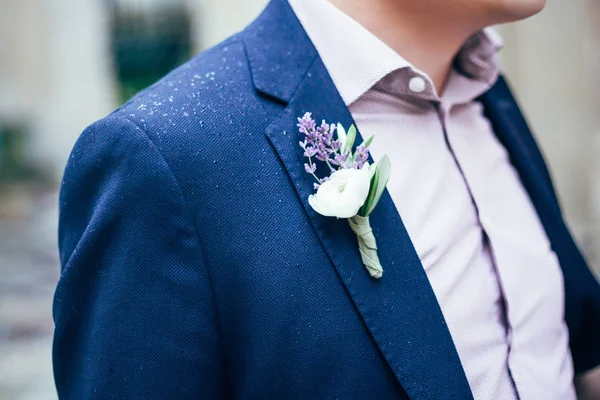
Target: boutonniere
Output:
{"points": [[353, 187]]}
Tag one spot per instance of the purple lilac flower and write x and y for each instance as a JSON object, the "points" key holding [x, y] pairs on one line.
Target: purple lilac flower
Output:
{"points": [[322, 153], [306, 123], [307, 126], [325, 133], [321, 181], [336, 145], [339, 159], [310, 168], [361, 157], [311, 137], [319, 143], [310, 151]]}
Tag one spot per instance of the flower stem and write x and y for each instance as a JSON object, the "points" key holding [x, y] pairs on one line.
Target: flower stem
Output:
{"points": [[329, 165], [312, 173]]}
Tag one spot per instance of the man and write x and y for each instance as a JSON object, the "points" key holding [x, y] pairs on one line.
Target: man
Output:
{"points": [[194, 266]]}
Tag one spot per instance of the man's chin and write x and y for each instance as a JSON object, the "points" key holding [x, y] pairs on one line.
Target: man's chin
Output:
{"points": [[515, 10]]}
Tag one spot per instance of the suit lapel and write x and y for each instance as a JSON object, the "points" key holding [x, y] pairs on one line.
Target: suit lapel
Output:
{"points": [[400, 310], [511, 129]]}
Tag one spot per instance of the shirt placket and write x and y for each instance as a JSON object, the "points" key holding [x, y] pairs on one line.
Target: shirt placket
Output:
{"points": [[443, 112]]}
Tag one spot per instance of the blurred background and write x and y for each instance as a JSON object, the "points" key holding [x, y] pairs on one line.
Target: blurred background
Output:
{"points": [[64, 64]]}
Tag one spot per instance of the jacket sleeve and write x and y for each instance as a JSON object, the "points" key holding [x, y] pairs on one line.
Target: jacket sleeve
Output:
{"points": [[582, 293], [134, 310]]}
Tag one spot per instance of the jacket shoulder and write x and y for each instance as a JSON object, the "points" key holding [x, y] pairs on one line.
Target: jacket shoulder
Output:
{"points": [[205, 89]]}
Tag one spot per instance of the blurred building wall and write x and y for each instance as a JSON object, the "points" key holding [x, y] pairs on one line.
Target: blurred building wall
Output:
{"points": [[215, 20], [55, 75], [21, 81], [553, 64]]}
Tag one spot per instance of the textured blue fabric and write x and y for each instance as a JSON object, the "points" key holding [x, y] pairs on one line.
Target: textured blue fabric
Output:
{"points": [[193, 267]]}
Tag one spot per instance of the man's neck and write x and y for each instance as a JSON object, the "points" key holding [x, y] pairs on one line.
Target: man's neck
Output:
{"points": [[427, 41]]}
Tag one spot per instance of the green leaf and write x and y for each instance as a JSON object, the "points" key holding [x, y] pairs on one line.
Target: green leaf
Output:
{"points": [[341, 134], [367, 142], [350, 159], [378, 184], [371, 196], [350, 138]]}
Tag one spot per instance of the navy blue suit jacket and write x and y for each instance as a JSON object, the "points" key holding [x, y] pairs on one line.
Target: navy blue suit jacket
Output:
{"points": [[193, 267]]}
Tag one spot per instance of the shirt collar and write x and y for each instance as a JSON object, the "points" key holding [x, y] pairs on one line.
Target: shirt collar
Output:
{"points": [[348, 51]]}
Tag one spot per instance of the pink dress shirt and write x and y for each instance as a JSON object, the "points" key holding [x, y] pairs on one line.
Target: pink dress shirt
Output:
{"points": [[472, 223]]}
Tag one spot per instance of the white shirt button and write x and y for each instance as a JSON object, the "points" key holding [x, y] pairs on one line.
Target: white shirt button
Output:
{"points": [[417, 84]]}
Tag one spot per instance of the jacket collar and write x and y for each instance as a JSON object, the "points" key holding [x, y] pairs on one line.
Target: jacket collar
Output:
{"points": [[279, 51]]}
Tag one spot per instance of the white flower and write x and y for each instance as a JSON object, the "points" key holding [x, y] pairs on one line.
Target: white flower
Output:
{"points": [[344, 193]]}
